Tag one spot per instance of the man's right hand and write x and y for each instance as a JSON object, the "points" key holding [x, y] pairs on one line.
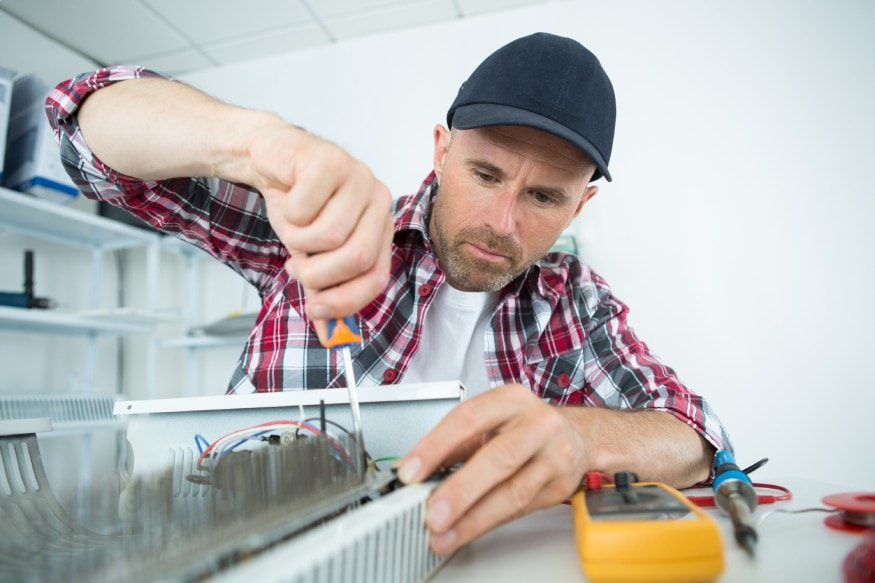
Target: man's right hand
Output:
{"points": [[331, 213], [327, 208]]}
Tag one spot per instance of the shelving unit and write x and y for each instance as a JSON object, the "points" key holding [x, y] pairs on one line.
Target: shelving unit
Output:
{"points": [[229, 341], [192, 345], [70, 227], [48, 322], [30, 216], [38, 219]]}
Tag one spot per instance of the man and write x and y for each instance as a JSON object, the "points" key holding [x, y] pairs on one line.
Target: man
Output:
{"points": [[459, 283]]}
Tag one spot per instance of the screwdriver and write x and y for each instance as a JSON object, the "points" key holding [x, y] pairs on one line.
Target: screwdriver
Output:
{"points": [[734, 494], [343, 333]]}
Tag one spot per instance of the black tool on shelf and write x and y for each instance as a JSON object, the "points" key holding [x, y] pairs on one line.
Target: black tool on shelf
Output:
{"points": [[26, 298]]}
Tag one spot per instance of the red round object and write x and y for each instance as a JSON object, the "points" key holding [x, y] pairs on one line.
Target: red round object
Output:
{"points": [[855, 502], [389, 375], [859, 564], [852, 501], [836, 522]]}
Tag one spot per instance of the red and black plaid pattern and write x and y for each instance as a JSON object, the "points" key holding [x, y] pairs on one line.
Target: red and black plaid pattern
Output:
{"points": [[557, 328]]}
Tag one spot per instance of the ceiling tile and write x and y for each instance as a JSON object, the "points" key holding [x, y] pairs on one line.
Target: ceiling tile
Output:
{"points": [[185, 35], [51, 61], [176, 62], [105, 31], [390, 17], [206, 21], [257, 46], [329, 8], [471, 7]]}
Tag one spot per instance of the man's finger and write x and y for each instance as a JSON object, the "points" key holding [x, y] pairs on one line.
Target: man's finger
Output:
{"points": [[507, 454], [359, 198], [315, 179], [353, 291], [521, 494], [468, 425]]}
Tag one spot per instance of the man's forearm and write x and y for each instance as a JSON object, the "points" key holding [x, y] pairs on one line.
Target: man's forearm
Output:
{"points": [[654, 444], [155, 129]]}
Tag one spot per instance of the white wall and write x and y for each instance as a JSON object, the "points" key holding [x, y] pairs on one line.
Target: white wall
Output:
{"points": [[737, 226]]}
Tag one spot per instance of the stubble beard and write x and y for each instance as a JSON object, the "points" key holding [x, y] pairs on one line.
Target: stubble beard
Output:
{"points": [[471, 274]]}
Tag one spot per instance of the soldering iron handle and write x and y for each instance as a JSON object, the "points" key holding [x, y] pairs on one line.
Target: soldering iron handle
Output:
{"points": [[726, 472], [735, 495]]}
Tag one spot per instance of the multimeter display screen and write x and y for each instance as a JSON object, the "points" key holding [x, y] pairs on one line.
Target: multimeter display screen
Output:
{"points": [[644, 502]]}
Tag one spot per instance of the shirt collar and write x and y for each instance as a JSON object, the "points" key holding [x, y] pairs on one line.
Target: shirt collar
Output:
{"points": [[412, 212]]}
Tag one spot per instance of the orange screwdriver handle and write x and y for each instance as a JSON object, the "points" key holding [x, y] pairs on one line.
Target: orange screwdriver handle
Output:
{"points": [[343, 333]]}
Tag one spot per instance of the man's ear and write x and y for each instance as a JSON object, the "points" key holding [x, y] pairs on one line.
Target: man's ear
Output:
{"points": [[590, 192], [441, 145]]}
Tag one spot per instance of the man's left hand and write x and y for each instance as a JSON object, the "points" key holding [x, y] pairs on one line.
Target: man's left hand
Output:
{"points": [[520, 455]]}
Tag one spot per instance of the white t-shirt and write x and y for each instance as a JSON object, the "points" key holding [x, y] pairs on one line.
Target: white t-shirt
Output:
{"points": [[454, 339]]}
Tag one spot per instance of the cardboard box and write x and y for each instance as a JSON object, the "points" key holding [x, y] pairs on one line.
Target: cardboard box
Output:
{"points": [[33, 161], [6, 78]]}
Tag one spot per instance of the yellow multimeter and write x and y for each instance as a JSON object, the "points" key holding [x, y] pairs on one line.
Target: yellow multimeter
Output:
{"points": [[644, 531]]}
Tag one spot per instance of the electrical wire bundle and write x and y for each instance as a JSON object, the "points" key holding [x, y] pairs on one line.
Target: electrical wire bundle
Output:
{"points": [[231, 441], [282, 432]]}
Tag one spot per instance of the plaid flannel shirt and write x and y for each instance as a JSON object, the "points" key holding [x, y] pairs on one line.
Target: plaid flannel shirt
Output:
{"points": [[556, 329]]}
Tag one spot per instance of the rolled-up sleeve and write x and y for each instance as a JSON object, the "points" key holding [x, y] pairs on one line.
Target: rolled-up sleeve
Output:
{"points": [[225, 219], [623, 372], [93, 178]]}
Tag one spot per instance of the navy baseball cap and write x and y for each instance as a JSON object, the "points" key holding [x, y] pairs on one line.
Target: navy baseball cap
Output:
{"points": [[547, 82]]}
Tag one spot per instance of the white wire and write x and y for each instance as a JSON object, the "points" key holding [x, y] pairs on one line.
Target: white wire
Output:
{"points": [[767, 513], [219, 446]]}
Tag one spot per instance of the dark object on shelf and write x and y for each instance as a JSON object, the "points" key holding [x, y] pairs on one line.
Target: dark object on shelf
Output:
{"points": [[26, 298]]}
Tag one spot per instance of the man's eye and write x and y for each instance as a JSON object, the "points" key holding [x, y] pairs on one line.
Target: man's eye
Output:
{"points": [[484, 176], [543, 197]]}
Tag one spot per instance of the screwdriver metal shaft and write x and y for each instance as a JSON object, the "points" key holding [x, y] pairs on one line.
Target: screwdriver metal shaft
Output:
{"points": [[343, 333], [354, 406]]}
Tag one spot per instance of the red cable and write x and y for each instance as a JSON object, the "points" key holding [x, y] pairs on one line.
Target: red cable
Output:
{"points": [[707, 501]]}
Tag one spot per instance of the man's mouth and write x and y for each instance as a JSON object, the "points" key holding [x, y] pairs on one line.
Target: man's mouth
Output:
{"points": [[485, 253]]}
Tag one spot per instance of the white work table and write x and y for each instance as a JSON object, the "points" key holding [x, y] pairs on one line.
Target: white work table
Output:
{"points": [[541, 546]]}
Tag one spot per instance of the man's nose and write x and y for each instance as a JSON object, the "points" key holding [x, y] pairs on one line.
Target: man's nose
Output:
{"points": [[501, 212]]}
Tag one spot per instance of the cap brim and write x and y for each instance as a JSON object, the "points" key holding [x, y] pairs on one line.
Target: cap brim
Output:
{"points": [[479, 115]]}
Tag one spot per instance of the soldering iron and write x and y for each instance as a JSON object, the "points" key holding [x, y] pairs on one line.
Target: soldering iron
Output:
{"points": [[734, 494]]}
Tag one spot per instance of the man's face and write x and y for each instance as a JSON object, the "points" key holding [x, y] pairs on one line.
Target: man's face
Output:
{"points": [[505, 194]]}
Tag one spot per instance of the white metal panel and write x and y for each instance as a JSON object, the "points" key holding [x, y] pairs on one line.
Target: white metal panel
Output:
{"points": [[394, 417], [382, 541]]}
